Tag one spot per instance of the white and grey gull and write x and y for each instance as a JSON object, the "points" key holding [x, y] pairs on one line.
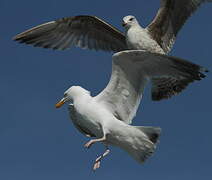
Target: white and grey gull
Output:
{"points": [[91, 32], [108, 116]]}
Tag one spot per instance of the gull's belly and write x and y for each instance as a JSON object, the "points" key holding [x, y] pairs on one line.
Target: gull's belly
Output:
{"points": [[90, 124], [91, 118], [139, 39]]}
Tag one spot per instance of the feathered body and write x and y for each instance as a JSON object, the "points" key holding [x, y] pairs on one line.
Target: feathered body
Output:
{"points": [[138, 38], [96, 120]]}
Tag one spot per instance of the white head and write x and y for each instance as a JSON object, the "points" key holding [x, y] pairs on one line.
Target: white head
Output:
{"points": [[72, 93], [129, 21]]}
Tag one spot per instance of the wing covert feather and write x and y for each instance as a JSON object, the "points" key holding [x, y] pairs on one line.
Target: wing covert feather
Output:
{"points": [[170, 18], [132, 69]]}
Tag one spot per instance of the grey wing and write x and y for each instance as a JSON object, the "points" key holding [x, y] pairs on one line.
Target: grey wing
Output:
{"points": [[165, 87], [88, 32], [170, 75], [132, 69], [74, 118], [124, 91], [169, 20]]}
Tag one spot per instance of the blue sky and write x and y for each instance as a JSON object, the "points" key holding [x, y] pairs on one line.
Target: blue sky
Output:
{"points": [[39, 141]]}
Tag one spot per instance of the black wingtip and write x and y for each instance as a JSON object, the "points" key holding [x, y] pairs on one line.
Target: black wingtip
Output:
{"points": [[206, 70], [15, 38], [202, 69], [18, 37]]}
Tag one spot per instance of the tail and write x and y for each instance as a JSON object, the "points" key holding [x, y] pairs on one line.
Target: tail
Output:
{"points": [[152, 133], [141, 142]]}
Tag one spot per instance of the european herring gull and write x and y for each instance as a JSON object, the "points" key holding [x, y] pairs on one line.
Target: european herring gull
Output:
{"points": [[108, 116], [91, 32]]}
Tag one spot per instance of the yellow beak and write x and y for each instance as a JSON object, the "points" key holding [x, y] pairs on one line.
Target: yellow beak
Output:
{"points": [[60, 103]]}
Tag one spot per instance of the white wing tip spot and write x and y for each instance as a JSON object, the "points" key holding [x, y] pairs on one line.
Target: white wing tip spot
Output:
{"points": [[125, 93]]}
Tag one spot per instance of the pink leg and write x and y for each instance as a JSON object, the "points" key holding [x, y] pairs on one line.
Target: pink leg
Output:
{"points": [[89, 143], [98, 160]]}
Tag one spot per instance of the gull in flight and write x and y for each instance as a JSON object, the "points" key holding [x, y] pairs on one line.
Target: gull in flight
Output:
{"points": [[107, 116], [91, 32]]}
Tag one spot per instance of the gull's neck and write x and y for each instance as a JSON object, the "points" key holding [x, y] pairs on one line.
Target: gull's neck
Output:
{"points": [[82, 102], [134, 26], [82, 97]]}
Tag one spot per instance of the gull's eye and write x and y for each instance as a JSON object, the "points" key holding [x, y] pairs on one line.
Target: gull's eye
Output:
{"points": [[65, 94], [131, 19]]}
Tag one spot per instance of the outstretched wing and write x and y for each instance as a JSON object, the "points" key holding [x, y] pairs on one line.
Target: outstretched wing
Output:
{"points": [[165, 87], [132, 69], [169, 20], [87, 32], [124, 90]]}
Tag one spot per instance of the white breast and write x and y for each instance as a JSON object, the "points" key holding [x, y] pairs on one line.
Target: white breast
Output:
{"points": [[90, 116], [138, 38]]}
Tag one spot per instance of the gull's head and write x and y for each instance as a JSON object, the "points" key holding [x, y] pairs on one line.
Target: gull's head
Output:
{"points": [[129, 21], [70, 94]]}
